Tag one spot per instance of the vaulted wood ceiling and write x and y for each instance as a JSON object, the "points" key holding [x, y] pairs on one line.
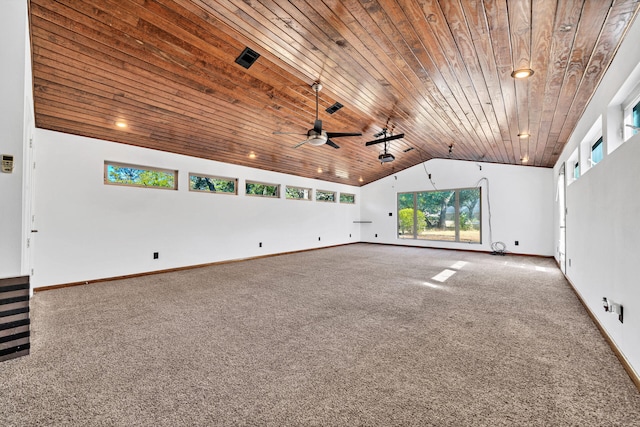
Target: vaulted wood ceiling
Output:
{"points": [[438, 71]]}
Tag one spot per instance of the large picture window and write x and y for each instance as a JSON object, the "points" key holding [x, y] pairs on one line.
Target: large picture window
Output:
{"points": [[450, 215], [140, 176]]}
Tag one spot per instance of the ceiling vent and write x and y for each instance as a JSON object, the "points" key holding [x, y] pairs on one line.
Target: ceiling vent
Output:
{"points": [[335, 107], [247, 57]]}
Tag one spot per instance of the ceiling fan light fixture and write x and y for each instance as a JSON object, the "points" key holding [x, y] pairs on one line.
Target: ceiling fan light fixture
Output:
{"points": [[522, 73], [317, 140]]}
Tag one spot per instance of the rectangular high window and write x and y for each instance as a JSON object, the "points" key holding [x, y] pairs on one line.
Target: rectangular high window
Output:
{"points": [[451, 215], [212, 184], [297, 193], [596, 152], [347, 198], [632, 115], [576, 170], [325, 196], [261, 189], [140, 176]]}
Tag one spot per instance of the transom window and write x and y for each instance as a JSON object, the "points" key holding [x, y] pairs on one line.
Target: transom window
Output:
{"points": [[325, 196], [450, 215], [596, 152], [632, 117], [212, 184], [297, 193], [262, 189], [347, 198], [140, 176]]}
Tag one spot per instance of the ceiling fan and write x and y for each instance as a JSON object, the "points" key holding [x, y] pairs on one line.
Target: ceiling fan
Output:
{"points": [[385, 156], [318, 136]]}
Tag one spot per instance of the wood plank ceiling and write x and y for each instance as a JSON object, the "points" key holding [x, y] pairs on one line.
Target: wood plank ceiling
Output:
{"points": [[437, 71]]}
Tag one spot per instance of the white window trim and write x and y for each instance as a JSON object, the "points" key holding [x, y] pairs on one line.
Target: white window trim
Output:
{"points": [[627, 108]]}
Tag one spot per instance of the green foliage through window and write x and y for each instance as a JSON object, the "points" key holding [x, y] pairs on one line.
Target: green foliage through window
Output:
{"points": [[451, 215], [347, 198], [297, 193], [325, 196], [140, 176], [260, 189], [212, 184]]}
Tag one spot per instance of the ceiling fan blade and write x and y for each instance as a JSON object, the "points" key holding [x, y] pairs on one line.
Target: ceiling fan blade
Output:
{"points": [[300, 143], [317, 126], [331, 144], [339, 134], [389, 138], [288, 133]]}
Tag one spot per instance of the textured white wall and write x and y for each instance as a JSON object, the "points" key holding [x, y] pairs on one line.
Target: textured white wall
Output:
{"points": [[13, 48], [521, 204], [89, 230], [603, 220]]}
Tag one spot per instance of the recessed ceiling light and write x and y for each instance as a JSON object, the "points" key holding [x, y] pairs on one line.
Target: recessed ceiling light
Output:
{"points": [[360, 179], [121, 125], [525, 159], [252, 155], [522, 73], [319, 170], [523, 135]]}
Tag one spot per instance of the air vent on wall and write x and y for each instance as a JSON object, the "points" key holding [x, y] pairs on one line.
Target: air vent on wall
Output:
{"points": [[247, 57], [335, 107]]}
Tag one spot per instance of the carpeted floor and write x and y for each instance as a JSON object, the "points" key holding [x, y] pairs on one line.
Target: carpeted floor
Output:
{"points": [[358, 335]]}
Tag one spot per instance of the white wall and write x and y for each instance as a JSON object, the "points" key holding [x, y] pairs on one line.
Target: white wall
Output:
{"points": [[13, 57], [603, 219], [521, 204], [89, 230]]}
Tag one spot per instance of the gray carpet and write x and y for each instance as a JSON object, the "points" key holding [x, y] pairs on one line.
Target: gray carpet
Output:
{"points": [[358, 335]]}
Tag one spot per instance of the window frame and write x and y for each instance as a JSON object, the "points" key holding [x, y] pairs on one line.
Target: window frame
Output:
{"points": [[108, 163], [347, 194], [599, 143], [275, 196], [202, 175], [309, 192], [326, 192], [457, 214], [632, 103]]}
